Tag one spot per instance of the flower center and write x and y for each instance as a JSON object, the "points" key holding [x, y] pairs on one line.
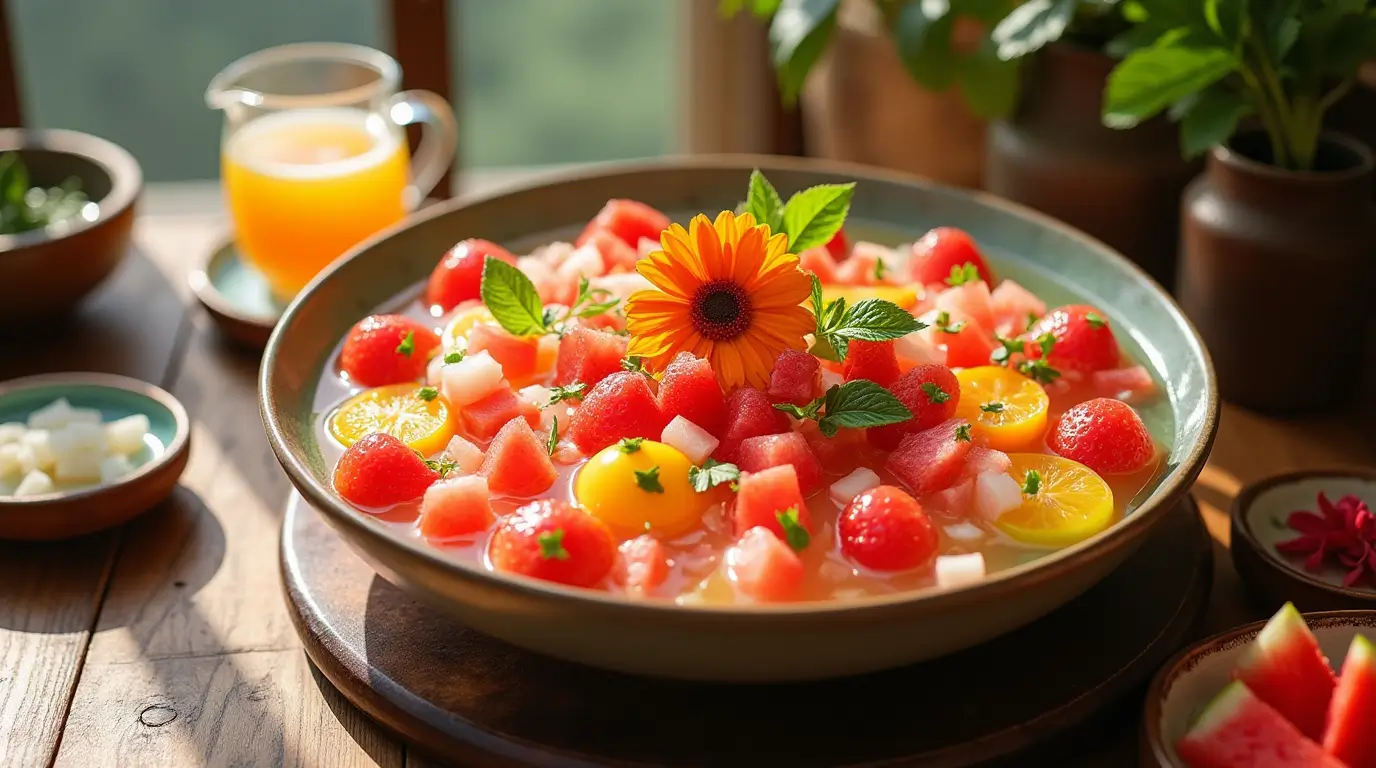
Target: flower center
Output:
{"points": [[721, 310]]}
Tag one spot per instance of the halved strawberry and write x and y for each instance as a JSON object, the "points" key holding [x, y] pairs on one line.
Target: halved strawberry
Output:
{"points": [[459, 275], [387, 349], [380, 471], [551, 540]]}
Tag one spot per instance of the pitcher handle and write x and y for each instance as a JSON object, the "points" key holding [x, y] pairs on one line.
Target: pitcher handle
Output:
{"points": [[439, 140]]}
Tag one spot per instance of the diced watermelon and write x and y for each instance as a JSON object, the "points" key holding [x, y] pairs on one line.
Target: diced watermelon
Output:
{"points": [[689, 389], [1239, 730], [764, 495], [1131, 384], [757, 454], [1351, 734], [748, 414], [1285, 668], [819, 262], [517, 463], [585, 261], [931, 460], [482, 420], [764, 567], [1014, 306], [620, 406], [981, 460], [629, 220], [796, 378], [519, 357], [588, 356], [872, 360], [838, 454], [455, 507], [552, 287], [616, 254], [968, 347], [971, 300], [640, 565]]}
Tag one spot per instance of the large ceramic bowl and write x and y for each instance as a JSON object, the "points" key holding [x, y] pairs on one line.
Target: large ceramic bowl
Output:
{"points": [[772, 642]]}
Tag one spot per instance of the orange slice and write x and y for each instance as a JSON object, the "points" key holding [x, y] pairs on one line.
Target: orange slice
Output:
{"points": [[456, 333], [1004, 407], [1071, 504], [902, 295], [400, 411]]}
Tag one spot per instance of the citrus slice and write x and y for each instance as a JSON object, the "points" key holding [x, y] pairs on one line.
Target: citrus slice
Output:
{"points": [[456, 332], [1071, 502], [1006, 408], [398, 410], [902, 295]]}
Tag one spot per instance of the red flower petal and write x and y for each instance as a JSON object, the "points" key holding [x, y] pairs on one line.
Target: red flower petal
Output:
{"points": [[1301, 546], [1307, 522]]}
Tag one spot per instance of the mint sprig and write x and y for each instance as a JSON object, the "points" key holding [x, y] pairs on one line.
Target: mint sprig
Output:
{"points": [[857, 404], [810, 218], [867, 320], [512, 299], [711, 474]]}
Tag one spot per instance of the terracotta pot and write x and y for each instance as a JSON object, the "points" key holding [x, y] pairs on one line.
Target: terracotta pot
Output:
{"points": [[1054, 155], [861, 105], [1277, 269]]}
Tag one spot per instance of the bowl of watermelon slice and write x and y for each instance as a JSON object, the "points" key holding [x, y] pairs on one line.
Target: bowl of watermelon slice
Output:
{"points": [[863, 422], [1297, 690]]}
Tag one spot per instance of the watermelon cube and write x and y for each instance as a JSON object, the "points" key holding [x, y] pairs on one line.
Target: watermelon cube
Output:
{"points": [[693, 441], [789, 448], [763, 567], [796, 379], [519, 357], [1351, 734], [517, 463], [1285, 668], [956, 501], [968, 346], [470, 380], [819, 262], [838, 454], [971, 300], [1012, 305], [985, 460], [1238, 729], [1128, 384], [766, 494], [748, 414], [629, 220], [689, 389], [585, 261], [620, 406], [640, 565], [455, 507], [872, 360], [588, 356], [616, 254], [482, 420], [931, 460]]}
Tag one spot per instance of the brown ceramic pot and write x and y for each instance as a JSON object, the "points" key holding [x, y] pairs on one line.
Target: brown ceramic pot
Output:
{"points": [[1055, 155], [1277, 270]]}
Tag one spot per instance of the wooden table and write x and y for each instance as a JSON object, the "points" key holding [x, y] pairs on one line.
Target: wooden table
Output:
{"points": [[166, 642]]}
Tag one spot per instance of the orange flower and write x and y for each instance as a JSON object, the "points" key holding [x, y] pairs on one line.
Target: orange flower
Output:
{"points": [[727, 292]]}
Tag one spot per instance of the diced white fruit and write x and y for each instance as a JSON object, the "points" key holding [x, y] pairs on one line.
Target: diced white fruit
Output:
{"points": [[560, 411], [536, 395], [54, 415], [965, 532], [78, 464], [465, 454], [77, 436], [621, 284], [583, 262], [27, 461], [12, 432], [114, 468], [996, 493], [959, 570], [471, 379], [84, 416], [35, 483], [852, 485], [433, 370], [693, 441], [40, 442], [125, 436], [9, 461], [918, 349]]}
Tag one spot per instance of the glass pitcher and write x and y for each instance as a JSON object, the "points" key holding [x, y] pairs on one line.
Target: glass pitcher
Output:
{"points": [[314, 158]]}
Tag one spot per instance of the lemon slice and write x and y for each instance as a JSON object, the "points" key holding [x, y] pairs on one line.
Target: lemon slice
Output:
{"points": [[398, 410], [1071, 504], [1004, 407]]}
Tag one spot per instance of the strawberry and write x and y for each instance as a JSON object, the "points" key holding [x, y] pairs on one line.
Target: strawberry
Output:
{"points": [[459, 275], [551, 540], [885, 529], [1105, 435], [620, 406], [690, 389], [872, 360], [839, 245], [748, 414], [380, 471], [931, 392], [1084, 340], [387, 349], [629, 220], [941, 249]]}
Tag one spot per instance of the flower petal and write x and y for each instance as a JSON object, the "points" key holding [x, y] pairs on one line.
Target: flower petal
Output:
{"points": [[1307, 522], [727, 363], [787, 288], [707, 244]]}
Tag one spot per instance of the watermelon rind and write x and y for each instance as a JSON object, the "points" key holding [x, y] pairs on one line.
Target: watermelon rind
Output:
{"points": [[1220, 708], [1352, 715]]}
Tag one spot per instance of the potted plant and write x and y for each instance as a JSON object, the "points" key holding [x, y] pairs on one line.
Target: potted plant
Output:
{"points": [[1053, 154], [1278, 253], [904, 84]]}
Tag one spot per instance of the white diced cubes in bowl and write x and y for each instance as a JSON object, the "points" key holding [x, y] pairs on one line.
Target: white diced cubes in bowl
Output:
{"points": [[35, 483], [112, 468], [125, 436], [847, 488], [61, 447], [12, 432], [959, 570], [471, 379], [39, 442], [693, 441]]}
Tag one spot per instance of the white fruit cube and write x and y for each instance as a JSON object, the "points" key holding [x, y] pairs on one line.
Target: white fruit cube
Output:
{"points": [[434, 370], [560, 411], [27, 461], [536, 395], [84, 416], [996, 493], [959, 570], [77, 465], [125, 436], [12, 432], [35, 483], [965, 532], [9, 461], [693, 441], [471, 379], [78, 436], [54, 415], [113, 468], [583, 262], [40, 442], [466, 455], [852, 485]]}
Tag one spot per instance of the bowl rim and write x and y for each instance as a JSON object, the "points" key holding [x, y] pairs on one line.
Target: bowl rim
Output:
{"points": [[177, 446], [126, 178], [1005, 582]]}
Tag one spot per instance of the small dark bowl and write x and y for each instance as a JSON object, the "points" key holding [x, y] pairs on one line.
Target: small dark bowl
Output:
{"points": [[46, 271]]}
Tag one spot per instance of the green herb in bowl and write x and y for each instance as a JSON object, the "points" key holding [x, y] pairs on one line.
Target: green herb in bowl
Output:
{"points": [[24, 208]]}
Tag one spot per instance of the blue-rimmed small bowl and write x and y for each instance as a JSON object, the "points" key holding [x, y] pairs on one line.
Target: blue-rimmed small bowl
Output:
{"points": [[157, 466]]}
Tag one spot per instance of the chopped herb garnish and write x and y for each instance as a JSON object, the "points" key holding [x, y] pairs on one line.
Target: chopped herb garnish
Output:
{"points": [[572, 391], [1040, 370], [879, 268], [552, 444], [1007, 347], [629, 444], [963, 433], [1095, 320], [552, 545], [711, 474], [442, 466], [795, 533], [1031, 320], [1032, 482], [636, 364], [453, 357], [868, 320], [408, 344], [857, 404], [648, 479], [935, 394], [992, 407], [428, 393], [591, 302], [962, 274], [944, 324]]}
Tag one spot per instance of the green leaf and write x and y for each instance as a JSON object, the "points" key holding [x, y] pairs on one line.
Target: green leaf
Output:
{"points": [[711, 474], [512, 299], [935, 394], [922, 32], [803, 413], [1150, 79], [876, 320], [453, 357], [629, 444], [1211, 120], [795, 533], [1135, 38], [407, 345], [1032, 482], [962, 274], [798, 34], [993, 407], [963, 434], [428, 393], [572, 391], [442, 466], [988, 83], [814, 215], [552, 444], [1032, 25], [764, 203], [860, 404], [1352, 43], [648, 480]]}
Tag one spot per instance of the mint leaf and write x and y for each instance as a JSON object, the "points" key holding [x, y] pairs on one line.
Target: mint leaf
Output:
{"points": [[763, 202], [876, 320], [1032, 25], [860, 404], [798, 33], [551, 542], [1006, 348], [572, 391], [813, 216], [1151, 79], [442, 466], [802, 413], [795, 533], [512, 299], [711, 474], [648, 480]]}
